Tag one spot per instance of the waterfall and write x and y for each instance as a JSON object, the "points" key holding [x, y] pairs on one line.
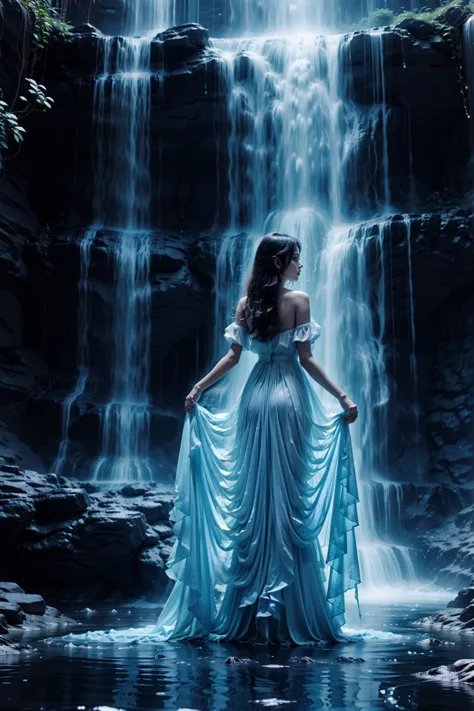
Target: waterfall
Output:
{"points": [[280, 16], [148, 16], [122, 193], [296, 136]]}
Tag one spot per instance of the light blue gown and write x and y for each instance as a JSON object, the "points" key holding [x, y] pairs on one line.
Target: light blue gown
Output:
{"points": [[264, 514]]}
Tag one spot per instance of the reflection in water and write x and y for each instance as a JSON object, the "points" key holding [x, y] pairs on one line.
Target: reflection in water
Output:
{"points": [[183, 675]]}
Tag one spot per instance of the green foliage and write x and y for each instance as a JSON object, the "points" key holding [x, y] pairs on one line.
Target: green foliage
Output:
{"points": [[381, 18], [44, 23], [429, 14], [10, 129], [47, 22]]}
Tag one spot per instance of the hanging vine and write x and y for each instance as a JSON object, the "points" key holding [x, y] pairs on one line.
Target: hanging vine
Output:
{"points": [[42, 22]]}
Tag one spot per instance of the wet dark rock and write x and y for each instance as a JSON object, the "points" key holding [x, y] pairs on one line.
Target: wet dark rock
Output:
{"points": [[350, 660], [73, 545], [31, 604], [458, 617], [234, 660], [457, 15], [8, 646], [152, 510], [12, 612], [417, 28], [85, 29], [467, 615], [462, 670], [442, 279], [62, 505], [178, 44], [430, 642], [152, 570], [152, 537], [3, 625], [132, 490], [464, 598], [10, 588]]}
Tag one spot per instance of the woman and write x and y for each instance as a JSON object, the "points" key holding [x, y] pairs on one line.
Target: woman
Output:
{"points": [[258, 485]]}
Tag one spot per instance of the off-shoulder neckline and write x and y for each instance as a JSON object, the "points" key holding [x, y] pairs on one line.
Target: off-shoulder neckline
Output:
{"points": [[286, 330], [293, 328]]}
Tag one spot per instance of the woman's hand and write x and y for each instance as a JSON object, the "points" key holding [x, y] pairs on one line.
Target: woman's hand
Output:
{"points": [[192, 398], [350, 408]]}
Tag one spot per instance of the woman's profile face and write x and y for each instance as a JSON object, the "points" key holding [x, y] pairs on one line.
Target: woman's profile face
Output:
{"points": [[294, 268]]}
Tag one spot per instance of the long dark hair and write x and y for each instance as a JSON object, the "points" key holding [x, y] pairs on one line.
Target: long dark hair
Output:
{"points": [[263, 287]]}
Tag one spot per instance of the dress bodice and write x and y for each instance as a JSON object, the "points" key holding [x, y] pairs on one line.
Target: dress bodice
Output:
{"points": [[281, 346]]}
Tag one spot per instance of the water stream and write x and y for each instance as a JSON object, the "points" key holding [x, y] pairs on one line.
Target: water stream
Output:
{"points": [[122, 193]]}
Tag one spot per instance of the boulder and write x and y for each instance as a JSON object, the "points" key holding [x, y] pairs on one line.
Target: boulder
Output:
{"points": [[62, 505], [417, 28], [457, 15], [178, 44], [31, 604], [152, 571], [133, 490], [10, 647], [464, 598], [462, 670], [10, 588], [152, 510], [12, 612]]}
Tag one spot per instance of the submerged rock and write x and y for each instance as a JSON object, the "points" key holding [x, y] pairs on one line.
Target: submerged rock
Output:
{"points": [[462, 670], [7, 646]]}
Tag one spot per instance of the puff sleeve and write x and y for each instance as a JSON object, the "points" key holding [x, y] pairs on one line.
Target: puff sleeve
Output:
{"points": [[235, 333], [307, 331]]}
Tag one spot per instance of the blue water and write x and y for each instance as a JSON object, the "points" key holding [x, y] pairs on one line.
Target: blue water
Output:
{"points": [[195, 676]]}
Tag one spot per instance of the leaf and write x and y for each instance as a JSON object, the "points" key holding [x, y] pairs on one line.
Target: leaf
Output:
{"points": [[23, 98]]}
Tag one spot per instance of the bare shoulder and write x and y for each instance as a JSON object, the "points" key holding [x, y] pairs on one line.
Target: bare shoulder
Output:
{"points": [[299, 298], [239, 312]]}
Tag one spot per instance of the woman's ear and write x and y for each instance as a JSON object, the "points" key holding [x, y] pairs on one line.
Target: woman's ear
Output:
{"points": [[277, 263]]}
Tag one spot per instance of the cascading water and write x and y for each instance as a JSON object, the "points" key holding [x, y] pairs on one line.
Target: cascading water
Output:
{"points": [[279, 15], [294, 141], [146, 16], [122, 192]]}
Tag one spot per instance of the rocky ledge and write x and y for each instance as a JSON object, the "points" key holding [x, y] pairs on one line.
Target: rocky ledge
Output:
{"points": [[20, 611], [70, 541], [459, 617]]}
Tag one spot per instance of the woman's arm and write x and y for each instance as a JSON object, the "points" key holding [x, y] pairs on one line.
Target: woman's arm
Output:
{"points": [[222, 367], [313, 368]]}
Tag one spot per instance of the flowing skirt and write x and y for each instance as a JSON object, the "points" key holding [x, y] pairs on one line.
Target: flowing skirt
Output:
{"points": [[262, 491]]}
